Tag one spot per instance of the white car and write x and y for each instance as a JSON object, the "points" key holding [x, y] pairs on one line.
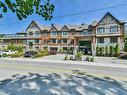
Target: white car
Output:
{"points": [[8, 52]]}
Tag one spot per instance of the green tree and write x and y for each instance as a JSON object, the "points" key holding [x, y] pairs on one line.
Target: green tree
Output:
{"points": [[116, 51], [97, 50], [125, 45], [101, 50], [25, 8], [106, 51], [111, 50]]}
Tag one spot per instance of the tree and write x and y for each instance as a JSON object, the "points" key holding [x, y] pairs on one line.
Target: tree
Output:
{"points": [[97, 50], [24, 8], [116, 51], [106, 51], [125, 45], [101, 50], [111, 50]]}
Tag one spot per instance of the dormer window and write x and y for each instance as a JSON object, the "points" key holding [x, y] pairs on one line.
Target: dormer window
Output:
{"points": [[113, 28], [64, 33], [54, 33], [100, 30]]}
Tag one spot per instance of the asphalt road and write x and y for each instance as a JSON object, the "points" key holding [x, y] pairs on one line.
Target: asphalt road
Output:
{"points": [[9, 68]]}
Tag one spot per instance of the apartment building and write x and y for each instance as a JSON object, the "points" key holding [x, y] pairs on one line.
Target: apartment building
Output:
{"points": [[108, 31]]}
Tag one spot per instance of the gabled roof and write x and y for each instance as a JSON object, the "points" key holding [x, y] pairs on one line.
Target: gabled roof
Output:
{"points": [[64, 27], [35, 24], [95, 23]]}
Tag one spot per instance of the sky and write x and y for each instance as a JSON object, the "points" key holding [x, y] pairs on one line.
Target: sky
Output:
{"points": [[10, 24]]}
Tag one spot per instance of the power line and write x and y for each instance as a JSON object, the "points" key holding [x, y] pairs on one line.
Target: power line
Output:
{"points": [[78, 13], [90, 11]]}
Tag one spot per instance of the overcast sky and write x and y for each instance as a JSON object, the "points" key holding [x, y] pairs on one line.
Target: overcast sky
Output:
{"points": [[10, 24]]}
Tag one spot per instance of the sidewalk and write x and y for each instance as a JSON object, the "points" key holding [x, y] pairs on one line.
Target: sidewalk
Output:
{"points": [[115, 65]]}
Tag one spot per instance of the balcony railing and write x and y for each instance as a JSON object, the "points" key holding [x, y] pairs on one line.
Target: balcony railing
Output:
{"points": [[19, 36], [108, 31]]}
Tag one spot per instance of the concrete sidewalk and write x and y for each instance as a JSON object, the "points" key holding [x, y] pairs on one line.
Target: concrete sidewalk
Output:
{"points": [[70, 62]]}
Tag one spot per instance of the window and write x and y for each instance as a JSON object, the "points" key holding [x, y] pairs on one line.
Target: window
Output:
{"points": [[114, 40], [100, 30], [64, 40], [53, 33], [85, 32], [36, 41], [113, 28], [37, 33], [53, 41], [30, 33], [100, 40], [64, 33]]}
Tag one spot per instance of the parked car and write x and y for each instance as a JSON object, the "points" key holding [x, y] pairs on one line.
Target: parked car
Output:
{"points": [[8, 52], [30, 54]]}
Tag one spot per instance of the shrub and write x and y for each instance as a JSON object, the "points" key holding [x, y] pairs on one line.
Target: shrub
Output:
{"points": [[41, 53], [5, 55], [79, 55], [125, 46], [87, 58], [106, 51], [17, 54], [66, 57], [61, 50], [92, 59], [15, 48], [97, 50], [116, 51], [101, 51], [111, 50]]}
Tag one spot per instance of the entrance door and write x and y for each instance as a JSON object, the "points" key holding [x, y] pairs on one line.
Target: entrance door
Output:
{"points": [[85, 46]]}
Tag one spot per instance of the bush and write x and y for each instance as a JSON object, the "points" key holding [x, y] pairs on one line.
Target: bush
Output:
{"points": [[116, 51], [101, 51], [61, 50], [17, 54], [111, 51], [5, 55], [87, 58], [97, 50], [79, 55], [66, 57], [90, 59], [106, 51], [41, 53], [15, 48], [125, 46]]}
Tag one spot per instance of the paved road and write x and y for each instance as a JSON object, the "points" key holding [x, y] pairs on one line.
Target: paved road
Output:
{"points": [[9, 68]]}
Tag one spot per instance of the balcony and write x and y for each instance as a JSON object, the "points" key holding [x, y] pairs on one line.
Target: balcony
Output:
{"points": [[88, 33], [107, 32], [15, 36]]}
